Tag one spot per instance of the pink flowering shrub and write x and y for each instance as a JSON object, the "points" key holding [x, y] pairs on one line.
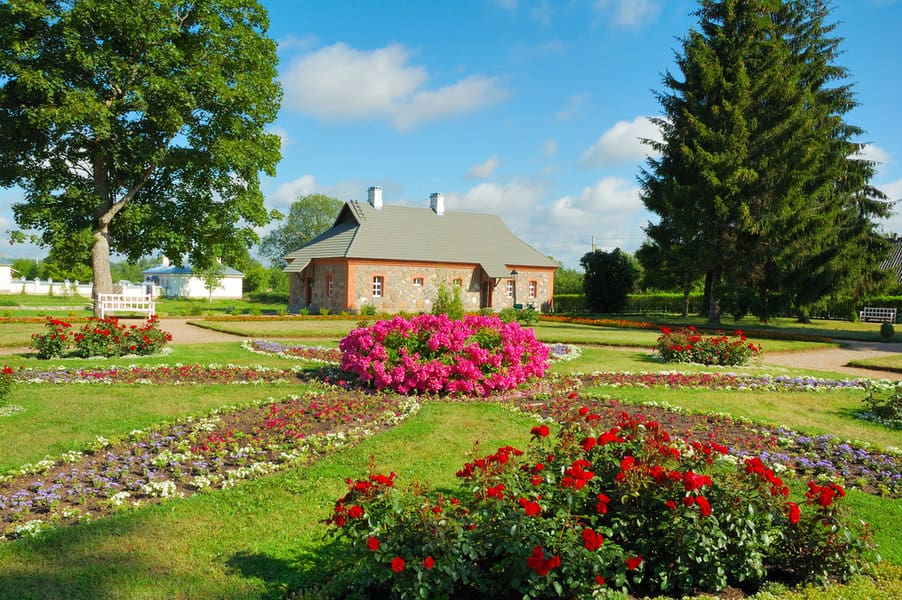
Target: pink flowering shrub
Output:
{"points": [[435, 354], [589, 512]]}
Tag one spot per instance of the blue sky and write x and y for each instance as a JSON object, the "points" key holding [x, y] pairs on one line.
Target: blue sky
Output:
{"points": [[527, 109]]}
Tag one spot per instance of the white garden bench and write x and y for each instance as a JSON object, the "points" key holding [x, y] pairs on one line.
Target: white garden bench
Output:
{"points": [[110, 303], [872, 313]]}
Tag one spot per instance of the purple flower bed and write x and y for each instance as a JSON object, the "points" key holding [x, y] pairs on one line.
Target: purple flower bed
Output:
{"points": [[159, 374], [299, 352], [733, 381], [193, 455]]}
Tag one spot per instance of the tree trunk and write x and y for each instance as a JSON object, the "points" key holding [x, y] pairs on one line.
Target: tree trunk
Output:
{"points": [[686, 289], [100, 264], [714, 298]]}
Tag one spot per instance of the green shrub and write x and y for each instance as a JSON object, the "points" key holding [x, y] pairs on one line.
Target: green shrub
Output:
{"points": [[54, 341], [368, 310], [448, 302], [324, 310], [508, 315], [887, 332], [528, 316], [885, 404]]}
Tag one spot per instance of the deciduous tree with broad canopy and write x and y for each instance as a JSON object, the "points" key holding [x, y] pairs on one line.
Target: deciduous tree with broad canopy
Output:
{"points": [[136, 126], [308, 217]]}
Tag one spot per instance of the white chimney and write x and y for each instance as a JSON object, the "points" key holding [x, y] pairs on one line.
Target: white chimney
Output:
{"points": [[437, 203], [375, 197]]}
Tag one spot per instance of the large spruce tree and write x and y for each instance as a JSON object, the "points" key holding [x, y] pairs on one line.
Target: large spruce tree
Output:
{"points": [[758, 185]]}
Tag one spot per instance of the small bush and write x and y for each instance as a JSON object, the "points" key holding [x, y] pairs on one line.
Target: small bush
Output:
{"points": [[324, 310], [887, 332], [508, 315], [885, 404], [689, 346], [6, 382], [448, 302], [528, 316], [54, 341], [368, 310]]}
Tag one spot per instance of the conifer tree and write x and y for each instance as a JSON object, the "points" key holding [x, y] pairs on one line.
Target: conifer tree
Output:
{"points": [[758, 171]]}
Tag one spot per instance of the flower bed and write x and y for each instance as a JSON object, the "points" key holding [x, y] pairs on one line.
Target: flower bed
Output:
{"points": [[600, 508], [193, 455], [177, 374], [689, 346], [435, 354], [728, 381], [620, 323], [872, 471], [299, 352]]}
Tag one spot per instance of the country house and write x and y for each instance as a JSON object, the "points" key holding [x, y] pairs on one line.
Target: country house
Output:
{"points": [[395, 258], [182, 282]]}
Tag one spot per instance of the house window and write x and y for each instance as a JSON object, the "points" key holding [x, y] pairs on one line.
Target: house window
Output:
{"points": [[533, 288], [378, 282], [417, 282], [510, 288], [458, 283], [330, 286]]}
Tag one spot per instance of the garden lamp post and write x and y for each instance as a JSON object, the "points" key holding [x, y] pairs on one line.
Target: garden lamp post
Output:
{"points": [[514, 275]]}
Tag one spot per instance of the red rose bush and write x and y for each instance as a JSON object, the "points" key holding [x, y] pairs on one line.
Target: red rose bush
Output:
{"points": [[591, 512], [689, 346], [432, 354]]}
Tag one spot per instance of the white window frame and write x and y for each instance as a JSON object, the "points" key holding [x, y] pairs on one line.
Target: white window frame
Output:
{"points": [[417, 282], [330, 285], [510, 288], [378, 286], [533, 288]]}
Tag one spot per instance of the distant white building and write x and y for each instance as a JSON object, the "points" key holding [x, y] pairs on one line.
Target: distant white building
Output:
{"points": [[180, 282]]}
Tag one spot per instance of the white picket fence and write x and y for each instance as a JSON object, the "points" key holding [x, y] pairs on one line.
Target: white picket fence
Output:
{"points": [[50, 287]]}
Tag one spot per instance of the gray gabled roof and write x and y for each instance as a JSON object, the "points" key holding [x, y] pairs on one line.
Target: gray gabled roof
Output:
{"points": [[407, 233], [894, 262]]}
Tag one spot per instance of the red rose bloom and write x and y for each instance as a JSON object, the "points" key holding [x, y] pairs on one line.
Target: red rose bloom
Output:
{"points": [[428, 562], [540, 431], [633, 563], [794, 513], [397, 564], [373, 543]]}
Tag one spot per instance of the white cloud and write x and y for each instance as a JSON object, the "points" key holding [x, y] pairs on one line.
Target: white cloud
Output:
{"points": [[628, 13], [340, 82], [510, 200], [462, 97], [294, 42], [893, 190], [609, 198], [621, 144], [549, 148], [284, 138], [485, 169], [874, 153], [574, 108], [290, 191]]}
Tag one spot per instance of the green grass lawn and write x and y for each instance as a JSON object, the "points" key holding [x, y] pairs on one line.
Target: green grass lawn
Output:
{"points": [[885, 363], [291, 327], [263, 536]]}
